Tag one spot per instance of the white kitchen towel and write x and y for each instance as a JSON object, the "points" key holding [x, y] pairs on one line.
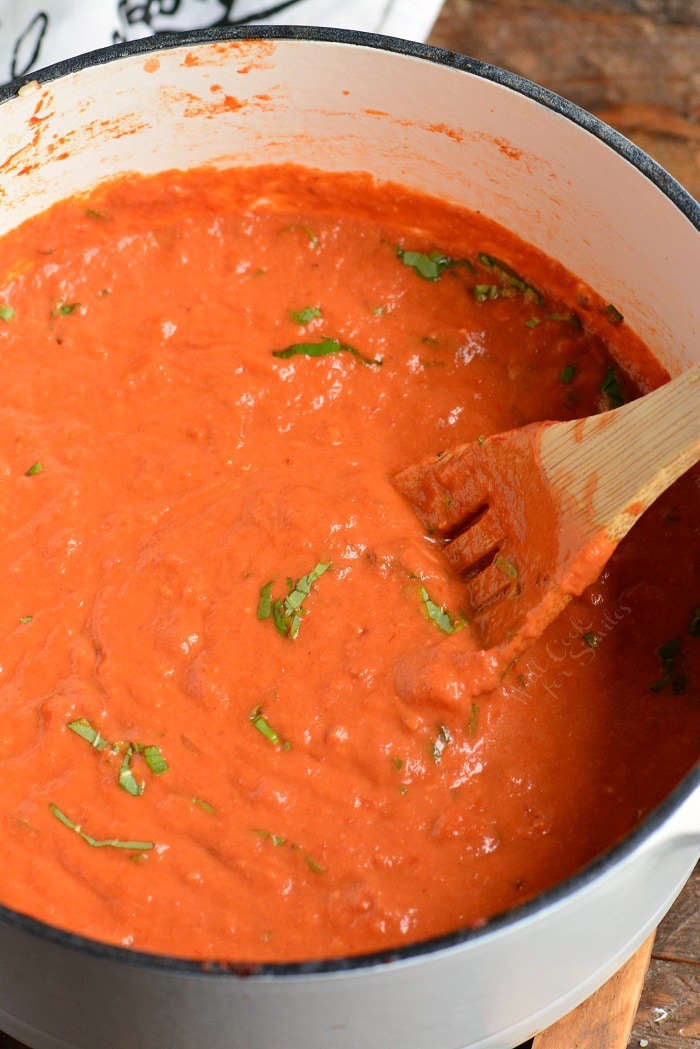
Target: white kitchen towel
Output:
{"points": [[35, 33]]}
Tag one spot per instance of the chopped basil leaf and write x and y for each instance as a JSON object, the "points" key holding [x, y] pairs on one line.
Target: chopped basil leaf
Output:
{"points": [[287, 612], [25, 619], [265, 729], [65, 308], [204, 805], [323, 349], [429, 267], [513, 278], [113, 843], [283, 627], [403, 788], [442, 739], [505, 565], [92, 213], [482, 292], [591, 638], [127, 781], [565, 318], [694, 625], [265, 601], [305, 229], [306, 315], [611, 389], [35, 468], [670, 650], [568, 373], [85, 730], [473, 720], [154, 759], [613, 314], [397, 763], [670, 655], [438, 615], [6, 312], [532, 322], [278, 840]]}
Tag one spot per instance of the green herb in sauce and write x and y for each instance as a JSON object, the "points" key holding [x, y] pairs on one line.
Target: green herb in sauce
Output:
{"points": [[265, 601], [34, 469], [568, 373], [439, 615], [482, 292], [566, 318], [444, 736], [513, 278], [6, 312], [64, 309], [429, 267], [473, 722], [324, 349], [276, 839], [86, 731], [287, 612], [127, 780], [305, 316], [128, 750], [265, 728], [670, 655], [25, 619], [96, 843], [153, 757], [506, 566], [279, 840], [204, 805], [591, 639], [611, 389], [613, 314], [304, 229]]}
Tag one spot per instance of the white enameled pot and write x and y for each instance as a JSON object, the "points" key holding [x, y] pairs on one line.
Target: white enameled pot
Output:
{"points": [[564, 182]]}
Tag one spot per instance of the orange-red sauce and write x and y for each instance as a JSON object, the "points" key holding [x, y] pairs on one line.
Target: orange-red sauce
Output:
{"points": [[159, 466]]}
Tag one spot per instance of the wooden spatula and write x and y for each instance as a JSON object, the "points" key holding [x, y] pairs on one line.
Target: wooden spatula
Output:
{"points": [[529, 518]]}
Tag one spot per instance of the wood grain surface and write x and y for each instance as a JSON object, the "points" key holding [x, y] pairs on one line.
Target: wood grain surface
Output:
{"points": [[605, 1020]]}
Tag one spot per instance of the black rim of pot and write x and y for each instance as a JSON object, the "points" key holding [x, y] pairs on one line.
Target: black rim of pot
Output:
{"points": [[614, 855]]}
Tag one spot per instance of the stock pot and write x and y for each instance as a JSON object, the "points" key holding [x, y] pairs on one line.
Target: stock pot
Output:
{"points": [[561, 180]]}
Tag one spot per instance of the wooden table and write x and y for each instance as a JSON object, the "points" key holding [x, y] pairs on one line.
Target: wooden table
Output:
{"points": [[634, 63]]}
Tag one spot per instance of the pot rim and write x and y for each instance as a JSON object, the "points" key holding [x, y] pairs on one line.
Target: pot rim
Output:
{"points": [[611, 857]]}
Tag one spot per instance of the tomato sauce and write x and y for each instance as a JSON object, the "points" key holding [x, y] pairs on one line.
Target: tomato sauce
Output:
{"points": [[208, 582]]}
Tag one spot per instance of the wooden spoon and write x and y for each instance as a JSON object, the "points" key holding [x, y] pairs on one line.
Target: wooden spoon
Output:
{"points": [[529, 518]]}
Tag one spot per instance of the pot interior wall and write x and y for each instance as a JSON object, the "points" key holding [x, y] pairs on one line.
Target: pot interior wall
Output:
{"points": [[345, 106]]}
